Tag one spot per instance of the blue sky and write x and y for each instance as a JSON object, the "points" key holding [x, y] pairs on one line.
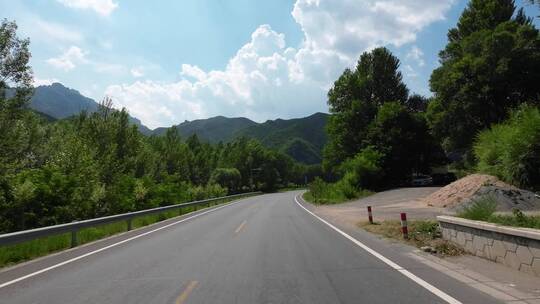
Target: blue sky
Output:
{"points": [[171, 61]]}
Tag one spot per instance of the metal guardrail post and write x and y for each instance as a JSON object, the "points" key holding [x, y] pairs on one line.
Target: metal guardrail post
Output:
{"points": [[129, 224], [74, 238]]}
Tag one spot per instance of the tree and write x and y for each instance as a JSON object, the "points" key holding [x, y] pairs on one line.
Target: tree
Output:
{"points": [[229, 178], [417, 103], [354, 100], [490, 65], [403, 139], [16, 125]]}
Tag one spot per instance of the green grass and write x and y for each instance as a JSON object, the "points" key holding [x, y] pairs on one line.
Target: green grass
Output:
{"points": [[16, 253], [421, 233], [484, 210]]}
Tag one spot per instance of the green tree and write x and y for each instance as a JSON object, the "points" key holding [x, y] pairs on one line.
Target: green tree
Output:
{"points": [[403, 139], [229, 178], [490, 65], [16, 124], [354, 100]]}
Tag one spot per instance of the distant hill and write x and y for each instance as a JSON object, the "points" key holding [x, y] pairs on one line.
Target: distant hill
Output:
{"points": [[211, 130], [301, 138], [58, 101]]}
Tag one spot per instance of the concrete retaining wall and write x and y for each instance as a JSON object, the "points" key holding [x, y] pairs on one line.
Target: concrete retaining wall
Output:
{"points": [[518, 248]]}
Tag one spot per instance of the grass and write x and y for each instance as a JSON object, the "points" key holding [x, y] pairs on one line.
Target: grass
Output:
{"points": [[421, 233], [484, 210], [16, 253], [480, 210]]}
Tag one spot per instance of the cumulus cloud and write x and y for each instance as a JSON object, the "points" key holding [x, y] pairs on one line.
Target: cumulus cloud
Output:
{"points": [[102, 7], [69, 59], [267, 79], [417, 55]]}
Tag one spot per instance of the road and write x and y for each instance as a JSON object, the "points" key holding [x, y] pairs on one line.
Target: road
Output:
{"points": [[264, 249]]}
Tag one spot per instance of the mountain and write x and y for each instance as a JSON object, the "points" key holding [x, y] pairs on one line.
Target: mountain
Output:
{"points": [[58, 101], [211, 130], [301, 138]]}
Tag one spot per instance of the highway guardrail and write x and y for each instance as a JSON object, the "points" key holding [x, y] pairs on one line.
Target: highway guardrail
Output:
{"points": [[74, 227]]}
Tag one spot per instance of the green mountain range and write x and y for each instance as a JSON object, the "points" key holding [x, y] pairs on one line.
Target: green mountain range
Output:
{"points": [[58, 102], [301, 138]]}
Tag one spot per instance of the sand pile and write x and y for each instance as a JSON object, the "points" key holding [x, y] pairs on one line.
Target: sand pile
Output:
{"points": [[465, 191]]}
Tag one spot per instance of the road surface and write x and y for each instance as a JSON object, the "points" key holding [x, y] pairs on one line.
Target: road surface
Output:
{"points": [[264, 249]]}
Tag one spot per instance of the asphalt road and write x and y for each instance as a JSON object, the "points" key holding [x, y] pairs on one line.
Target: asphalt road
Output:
{"points": [[264, 249]]}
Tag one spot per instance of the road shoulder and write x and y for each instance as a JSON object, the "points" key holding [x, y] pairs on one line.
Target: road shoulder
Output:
{"points": [[469, 271]]}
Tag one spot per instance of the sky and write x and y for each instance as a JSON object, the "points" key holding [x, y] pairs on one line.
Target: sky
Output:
{"points": [[171, 61]]}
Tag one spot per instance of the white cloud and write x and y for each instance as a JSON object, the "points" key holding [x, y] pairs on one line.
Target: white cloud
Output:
{"points": [[137, 72], [44, 81], [102, 7], [42, 29], [69, 59], [417, 55], [192, 71], [409, 71], [266, 79]]}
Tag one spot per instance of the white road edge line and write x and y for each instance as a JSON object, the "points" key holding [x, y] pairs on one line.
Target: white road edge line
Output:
{"points": [[33, 274], [447, 298]]}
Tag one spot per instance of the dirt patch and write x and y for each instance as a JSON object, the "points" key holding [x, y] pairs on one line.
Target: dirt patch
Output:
{"points": [[465, 191]]}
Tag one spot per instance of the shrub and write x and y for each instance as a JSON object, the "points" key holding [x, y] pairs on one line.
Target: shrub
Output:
{"points": [[511, 150], [480, 210], [364, 169]]}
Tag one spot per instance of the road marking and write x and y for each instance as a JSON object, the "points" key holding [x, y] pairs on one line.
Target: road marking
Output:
{"points": [[240, 227], [387, 261], [185, 294], [33, 274]]}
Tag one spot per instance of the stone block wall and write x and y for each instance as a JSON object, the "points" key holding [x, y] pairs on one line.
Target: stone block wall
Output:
{"points": [[518, 248]]}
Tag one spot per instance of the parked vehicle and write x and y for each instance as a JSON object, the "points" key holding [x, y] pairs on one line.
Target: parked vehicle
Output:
{"points": [[442, 179], [419, 180]]}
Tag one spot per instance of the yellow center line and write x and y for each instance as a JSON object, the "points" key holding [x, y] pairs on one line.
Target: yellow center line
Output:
{"points": [[240, 227], [185, 294]]}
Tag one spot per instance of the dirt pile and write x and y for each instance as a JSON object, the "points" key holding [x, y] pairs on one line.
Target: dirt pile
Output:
{"points": [[465, 191]]}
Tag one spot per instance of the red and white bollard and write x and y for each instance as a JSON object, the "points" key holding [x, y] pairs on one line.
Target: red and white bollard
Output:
{"points": [[404, 228], [370, 216]]}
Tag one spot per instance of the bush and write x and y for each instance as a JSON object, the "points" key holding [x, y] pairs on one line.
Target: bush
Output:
{"points": [[321, 192], [364, 169], [511, 150], [480, 210]]}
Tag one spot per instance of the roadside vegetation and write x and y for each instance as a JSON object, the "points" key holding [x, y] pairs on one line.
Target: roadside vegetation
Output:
{"points": [[422, 234], [484, 209], [483, 116]]}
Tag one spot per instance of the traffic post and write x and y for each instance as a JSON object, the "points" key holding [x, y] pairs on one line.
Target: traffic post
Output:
{"points": [[404, 228], [370, 215]]}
